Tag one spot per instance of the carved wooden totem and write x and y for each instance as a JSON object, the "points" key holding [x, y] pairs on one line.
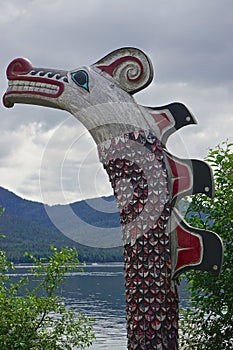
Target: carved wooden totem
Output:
{"points": [[146, 179]]}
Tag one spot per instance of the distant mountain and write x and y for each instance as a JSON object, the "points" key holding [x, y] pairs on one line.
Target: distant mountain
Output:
{"points": [[33, 227]]}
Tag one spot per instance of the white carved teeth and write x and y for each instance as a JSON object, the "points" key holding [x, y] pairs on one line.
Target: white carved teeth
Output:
{"points": [[32, 86]]}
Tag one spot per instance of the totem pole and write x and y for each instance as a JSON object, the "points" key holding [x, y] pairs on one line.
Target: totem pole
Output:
{"points": [[146, 179]]}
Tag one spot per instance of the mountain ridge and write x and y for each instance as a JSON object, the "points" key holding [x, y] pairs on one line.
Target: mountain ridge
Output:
{"points": [[27, 226]]}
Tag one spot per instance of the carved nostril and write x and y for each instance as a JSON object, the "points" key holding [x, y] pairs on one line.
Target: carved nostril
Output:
{"points": [[18, 66]]}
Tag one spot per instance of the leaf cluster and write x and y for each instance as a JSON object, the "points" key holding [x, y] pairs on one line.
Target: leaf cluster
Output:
{"points": [[37, 318], [208, 323]]}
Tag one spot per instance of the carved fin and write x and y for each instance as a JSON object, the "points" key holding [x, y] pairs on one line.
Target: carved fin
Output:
{"points": [[189, 176], [170, 118], [203, 181], [194, 248]]}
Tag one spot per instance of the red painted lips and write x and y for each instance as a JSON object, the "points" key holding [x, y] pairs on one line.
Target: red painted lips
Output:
{"points": [[25, 81]]}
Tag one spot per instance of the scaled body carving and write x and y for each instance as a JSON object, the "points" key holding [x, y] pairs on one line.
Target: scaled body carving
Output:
{"points": [[147, 181]]}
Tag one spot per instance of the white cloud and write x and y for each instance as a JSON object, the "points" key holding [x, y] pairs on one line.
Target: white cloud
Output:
{"points": [[70, 169], [22, 159], [10, 12]]}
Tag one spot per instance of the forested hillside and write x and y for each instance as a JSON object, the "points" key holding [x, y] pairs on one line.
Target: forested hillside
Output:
{"points": [[28, 227]]}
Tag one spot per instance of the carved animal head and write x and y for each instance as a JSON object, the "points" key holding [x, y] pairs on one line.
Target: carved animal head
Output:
{"points": [[99, 88], [100, 95]]}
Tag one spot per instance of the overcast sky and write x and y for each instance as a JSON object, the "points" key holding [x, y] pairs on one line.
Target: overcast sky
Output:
{"points": [[45, 154]]}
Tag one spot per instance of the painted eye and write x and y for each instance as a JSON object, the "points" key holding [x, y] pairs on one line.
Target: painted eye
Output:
{"points": [[81, 79]]}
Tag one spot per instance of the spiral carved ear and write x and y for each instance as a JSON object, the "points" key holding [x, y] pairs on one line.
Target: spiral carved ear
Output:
{"points": [[130, 68]]}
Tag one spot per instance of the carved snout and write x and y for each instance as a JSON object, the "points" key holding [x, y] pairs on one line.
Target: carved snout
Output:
{"points": [[28, 84]]}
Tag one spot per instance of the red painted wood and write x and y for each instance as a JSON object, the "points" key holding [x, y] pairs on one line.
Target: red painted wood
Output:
{"points": [[189, 250]]}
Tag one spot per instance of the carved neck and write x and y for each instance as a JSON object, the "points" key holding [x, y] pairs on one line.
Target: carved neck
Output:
{"points": [[136, 168], [111, 131]]}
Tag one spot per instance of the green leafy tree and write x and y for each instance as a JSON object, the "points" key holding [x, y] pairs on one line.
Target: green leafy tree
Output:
{"points": [[37, 318], [208, 323]]}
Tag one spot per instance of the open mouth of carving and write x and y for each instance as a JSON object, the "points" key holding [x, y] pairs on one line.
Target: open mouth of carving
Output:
{"points": [[32, 84]]}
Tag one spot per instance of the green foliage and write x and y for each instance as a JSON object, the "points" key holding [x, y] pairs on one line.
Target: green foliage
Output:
{"points": [[37, 318], [208, 324]]}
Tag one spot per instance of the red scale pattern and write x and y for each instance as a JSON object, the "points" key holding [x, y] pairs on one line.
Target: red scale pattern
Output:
{"points": [[136, 168], [151, 295]]}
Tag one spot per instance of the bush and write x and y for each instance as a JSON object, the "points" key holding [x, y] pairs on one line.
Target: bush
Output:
{"points": [[208, 324], [37, 319]]}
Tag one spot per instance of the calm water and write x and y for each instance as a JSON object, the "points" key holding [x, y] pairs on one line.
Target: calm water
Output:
{"points": [[99, 292]]}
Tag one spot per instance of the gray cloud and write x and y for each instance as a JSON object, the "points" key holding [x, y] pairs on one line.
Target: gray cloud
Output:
{"points": [[189, 42]]}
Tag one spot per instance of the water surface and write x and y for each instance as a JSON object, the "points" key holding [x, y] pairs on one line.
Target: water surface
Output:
{"points": [[99, 292]]}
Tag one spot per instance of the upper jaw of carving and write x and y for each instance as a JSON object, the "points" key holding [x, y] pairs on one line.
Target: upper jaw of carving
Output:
{"points": [[30, 85]]}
